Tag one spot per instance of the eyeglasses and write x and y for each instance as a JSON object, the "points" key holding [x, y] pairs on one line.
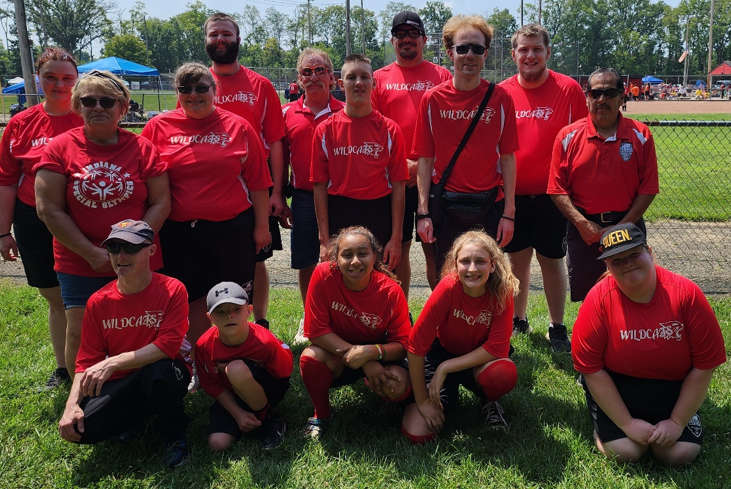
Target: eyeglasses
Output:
{"points": [[197, 88], [412, 33], [115, 247], [477, 49], [105, 102], [596, 93], [318, 70]]}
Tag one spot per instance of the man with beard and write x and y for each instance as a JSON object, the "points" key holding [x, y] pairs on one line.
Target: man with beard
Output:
{"points": [[252, 96], [545, 101], [397, 93], [603, 172]]}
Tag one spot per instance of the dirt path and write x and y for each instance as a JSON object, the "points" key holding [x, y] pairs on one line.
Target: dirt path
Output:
{"points": [[679, 107]]}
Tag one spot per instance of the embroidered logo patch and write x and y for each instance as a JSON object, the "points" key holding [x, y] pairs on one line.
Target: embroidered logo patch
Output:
{"points": [[625, 151]]}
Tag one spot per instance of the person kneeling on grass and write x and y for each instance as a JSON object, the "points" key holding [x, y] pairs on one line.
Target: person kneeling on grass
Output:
{"points": [[462, 336], [129, 365], [244, 367], [646, 342], [357, 319]]}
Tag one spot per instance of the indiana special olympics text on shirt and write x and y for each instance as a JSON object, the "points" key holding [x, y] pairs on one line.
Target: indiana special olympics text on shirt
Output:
{"points": [[102, 184]]}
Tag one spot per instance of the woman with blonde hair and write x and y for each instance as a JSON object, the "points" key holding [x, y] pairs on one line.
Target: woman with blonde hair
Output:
{"points": [[462, 336]]}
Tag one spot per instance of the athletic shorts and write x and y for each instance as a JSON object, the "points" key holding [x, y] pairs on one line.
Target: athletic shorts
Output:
{"points": [[203, 253], [351, 376], [411, 203], [76, 289], [539, 225], [268, 251], [35, 244], [304, 241], [450, 389], [221, 420], [373, 214], [651, 400], [581, 260]]}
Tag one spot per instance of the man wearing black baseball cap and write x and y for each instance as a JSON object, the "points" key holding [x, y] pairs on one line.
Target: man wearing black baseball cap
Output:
{"points": [[129, 365]]}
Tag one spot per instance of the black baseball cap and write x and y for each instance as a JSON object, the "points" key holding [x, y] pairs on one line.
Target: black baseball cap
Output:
{"points": [[131, 231], [226, 293], [619, 238], [409, 18]]}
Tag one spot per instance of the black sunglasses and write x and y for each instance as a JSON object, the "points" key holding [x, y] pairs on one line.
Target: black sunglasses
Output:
{"points": [[477, 49], [197, 88], [105, 102], [319, 70], [412, 33], [114, 247], [596, 93]]}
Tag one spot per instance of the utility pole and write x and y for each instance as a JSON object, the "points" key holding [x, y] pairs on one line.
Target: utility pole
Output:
{"points": [[347, 28], [687, 52], [540, 12], [710, 46], [521, 14], [362, 28], [26, 61], [309, 22]]}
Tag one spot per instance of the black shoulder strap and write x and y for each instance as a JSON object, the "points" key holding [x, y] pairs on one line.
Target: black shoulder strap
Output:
{"points": [[467, 134]]}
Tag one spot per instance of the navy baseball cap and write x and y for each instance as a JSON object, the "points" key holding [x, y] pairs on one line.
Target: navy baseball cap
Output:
{"points": [[619, 238], [131, 231], [226, 293], [409, 18]]}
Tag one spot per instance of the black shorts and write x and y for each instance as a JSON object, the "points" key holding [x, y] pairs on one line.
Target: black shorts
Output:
{"points": [[651, 400], [351, 376], [372, 214], [304, 243], [411, 203], [268, 251], [450, 389], [202, 253], [35, 244], [581, 260], [221, 420], [539, 225]]}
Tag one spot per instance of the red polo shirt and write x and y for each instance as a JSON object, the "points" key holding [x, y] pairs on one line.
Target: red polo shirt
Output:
{"points": [[603, 175]]}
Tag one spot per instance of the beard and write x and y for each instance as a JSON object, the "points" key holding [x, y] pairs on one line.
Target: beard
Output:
{"points": [[534, 76], [227, 57]]}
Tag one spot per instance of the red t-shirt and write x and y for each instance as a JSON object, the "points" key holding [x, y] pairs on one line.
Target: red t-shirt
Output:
{"points": [[24, 139], [104, 185], [358, 157], [398, 91], [540, 113], [603, 175], [663, 339], [212, 163], [462, 323], [252, 96], [260, 346], [444, 116], [299, 126], [377, 314], [116, 323]]}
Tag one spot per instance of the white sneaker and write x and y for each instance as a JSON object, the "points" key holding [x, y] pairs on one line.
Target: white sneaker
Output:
{"points": [[299, 337], [194, 382]]}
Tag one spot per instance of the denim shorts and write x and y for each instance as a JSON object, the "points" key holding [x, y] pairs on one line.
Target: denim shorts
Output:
{"points": [[76, 290]]}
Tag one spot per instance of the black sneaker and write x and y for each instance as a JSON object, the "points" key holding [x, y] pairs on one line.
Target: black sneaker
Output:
{"points": [[495, 416], [558, 338], [57, 378], [177, 453], [272, 433], [520, 326]]}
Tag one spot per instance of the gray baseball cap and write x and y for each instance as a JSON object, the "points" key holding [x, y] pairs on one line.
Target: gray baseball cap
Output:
{"points": [[226, 293]]}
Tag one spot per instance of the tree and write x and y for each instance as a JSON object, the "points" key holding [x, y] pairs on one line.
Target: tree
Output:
{"points": [[127, 46], [434, 15], [71, 24]]}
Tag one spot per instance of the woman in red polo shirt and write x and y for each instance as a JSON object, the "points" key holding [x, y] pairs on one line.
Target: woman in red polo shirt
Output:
{"points": [[23, 141], [462, 336], [219, 185], [357, 319]]}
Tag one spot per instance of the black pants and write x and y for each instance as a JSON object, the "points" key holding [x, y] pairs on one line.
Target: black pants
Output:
{"points": [[124, 404]]}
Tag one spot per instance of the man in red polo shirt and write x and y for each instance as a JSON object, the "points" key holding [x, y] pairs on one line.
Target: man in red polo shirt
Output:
{"points": [[397, 93], [545, 102], [252, 96], [603, 172]]}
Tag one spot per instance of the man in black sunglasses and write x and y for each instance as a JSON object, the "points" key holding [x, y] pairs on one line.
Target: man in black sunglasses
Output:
{"points": [[603, 172], [129, 366], [397, 93]]}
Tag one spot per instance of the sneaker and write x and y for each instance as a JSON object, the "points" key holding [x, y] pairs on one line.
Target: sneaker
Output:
{"points": [[263, 323], [299, 337], [272, 432], [520, 326], [177, 453], [194, 381], [495, 416], [558, 338], [57, 378], [315, 427]]}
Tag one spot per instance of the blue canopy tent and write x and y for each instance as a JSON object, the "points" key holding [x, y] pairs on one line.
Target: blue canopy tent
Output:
{"points": [[652, 80], [19, 90], [123, 67]]}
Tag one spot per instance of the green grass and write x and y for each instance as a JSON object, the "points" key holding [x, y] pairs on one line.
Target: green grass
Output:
{"points": [[549, 444]]}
